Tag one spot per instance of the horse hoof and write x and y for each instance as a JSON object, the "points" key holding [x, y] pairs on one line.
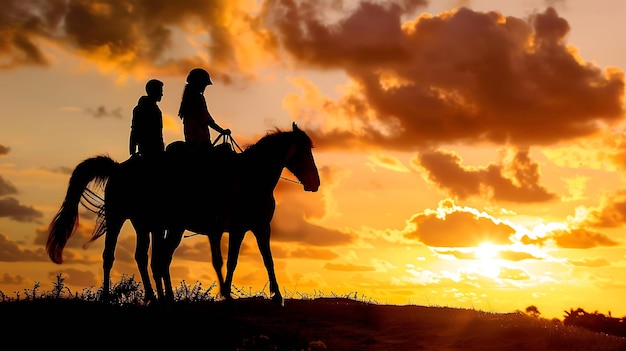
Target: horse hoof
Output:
{"points": [[106, 298], [151, 302], [150, 299], [278, 301]]}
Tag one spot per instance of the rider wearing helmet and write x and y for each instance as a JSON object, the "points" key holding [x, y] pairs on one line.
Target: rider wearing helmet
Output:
{"points": [[194, 112]]}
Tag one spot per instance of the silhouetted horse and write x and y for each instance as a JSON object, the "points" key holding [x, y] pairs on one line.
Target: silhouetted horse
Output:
{"points": [[179, 194]]}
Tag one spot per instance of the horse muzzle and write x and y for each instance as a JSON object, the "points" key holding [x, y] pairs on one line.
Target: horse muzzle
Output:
{"points": [[311, 184]]}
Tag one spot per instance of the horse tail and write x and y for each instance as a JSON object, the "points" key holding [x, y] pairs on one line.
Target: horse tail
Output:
{"points": [[97, 169]]}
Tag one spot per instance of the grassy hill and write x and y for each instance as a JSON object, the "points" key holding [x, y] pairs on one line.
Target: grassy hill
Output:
{"points": [[61, 319], [256, 324]]}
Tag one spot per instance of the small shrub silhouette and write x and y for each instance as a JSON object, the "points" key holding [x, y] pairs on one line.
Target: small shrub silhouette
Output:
{"points": [[533, 311], [186, 293], [595, 321]]}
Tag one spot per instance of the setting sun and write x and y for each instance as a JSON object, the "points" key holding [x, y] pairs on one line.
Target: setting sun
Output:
{"points": [[487, 251]]}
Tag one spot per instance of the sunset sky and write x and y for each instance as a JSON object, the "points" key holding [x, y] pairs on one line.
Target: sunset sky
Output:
{"points": [[471, 153]]}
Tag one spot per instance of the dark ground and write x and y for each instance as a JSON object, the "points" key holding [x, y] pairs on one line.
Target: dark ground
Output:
{"points": [[256, 324]]}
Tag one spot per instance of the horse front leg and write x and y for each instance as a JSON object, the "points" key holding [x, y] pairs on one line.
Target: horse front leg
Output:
{"points": [[262, 235], [215, 241]]}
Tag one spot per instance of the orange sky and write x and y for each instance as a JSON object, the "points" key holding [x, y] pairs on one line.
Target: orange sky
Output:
{"points": [[470, 152]]}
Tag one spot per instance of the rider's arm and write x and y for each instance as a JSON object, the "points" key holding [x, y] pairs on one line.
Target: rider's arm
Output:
{"points": [[210, 121], [219, 129]]}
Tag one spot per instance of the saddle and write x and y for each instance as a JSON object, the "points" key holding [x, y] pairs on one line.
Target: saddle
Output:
{"points": [[205, 152], [207, 160]]}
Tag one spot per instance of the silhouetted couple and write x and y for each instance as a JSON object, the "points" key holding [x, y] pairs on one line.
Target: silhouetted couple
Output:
{"points": [[146, 136]]}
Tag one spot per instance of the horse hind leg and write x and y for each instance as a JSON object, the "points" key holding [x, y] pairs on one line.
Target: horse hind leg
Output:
{"points": [[113, 225], [156, 264]]}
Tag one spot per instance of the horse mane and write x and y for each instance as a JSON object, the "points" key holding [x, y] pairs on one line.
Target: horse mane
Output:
{"points": [[274, 135], [268, 136]]}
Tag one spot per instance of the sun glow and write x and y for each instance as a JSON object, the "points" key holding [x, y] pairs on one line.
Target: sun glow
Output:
{"points": [[487, 256], [487, 251]]}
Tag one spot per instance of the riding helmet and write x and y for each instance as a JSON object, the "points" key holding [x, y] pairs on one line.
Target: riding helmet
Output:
{"points": [[199, 76]]}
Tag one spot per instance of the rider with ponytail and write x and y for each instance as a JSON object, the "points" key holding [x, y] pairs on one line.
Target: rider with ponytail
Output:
{"points": [[194, 112]]}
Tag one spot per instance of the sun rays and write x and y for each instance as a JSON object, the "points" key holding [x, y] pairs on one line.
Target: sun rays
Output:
{"points": [[487, 251]]}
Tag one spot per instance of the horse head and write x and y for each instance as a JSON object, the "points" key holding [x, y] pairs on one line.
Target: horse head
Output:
{"points": [[300, 160]]}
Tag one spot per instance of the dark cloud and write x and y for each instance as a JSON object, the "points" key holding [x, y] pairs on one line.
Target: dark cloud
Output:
{"points": [[23, 24], [8, 278], [4, 150], [102, 112], [454, 226], [13, 252], [516, 181], [6, 188], [581, 238], [370, 35], [460, 76], [13, 209], [611, 213], [298, 230], [126, 34], [573, 238], [200, 251]]}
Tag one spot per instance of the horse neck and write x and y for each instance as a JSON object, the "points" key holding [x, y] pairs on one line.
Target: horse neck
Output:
{"points": [[265, 162]]}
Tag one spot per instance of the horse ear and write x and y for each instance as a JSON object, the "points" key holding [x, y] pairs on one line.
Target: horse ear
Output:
{"points": [[294, 126]]}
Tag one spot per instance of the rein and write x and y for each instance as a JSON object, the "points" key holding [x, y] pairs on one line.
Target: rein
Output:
{"points": [[290, 180], [228, 139]]}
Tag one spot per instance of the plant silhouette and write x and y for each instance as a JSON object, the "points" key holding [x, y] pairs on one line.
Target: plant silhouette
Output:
{"points": [[180, 198]]}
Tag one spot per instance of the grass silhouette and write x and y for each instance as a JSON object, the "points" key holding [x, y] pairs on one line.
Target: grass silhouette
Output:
{"points": [[308, 322]]}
